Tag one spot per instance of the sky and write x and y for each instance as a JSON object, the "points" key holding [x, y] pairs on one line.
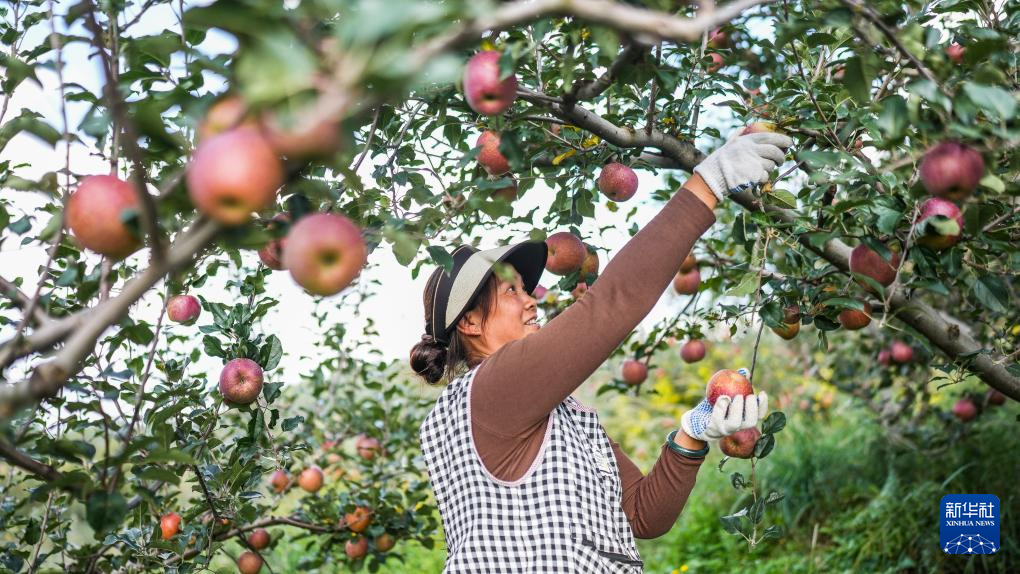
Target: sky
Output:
{"points": [[396, 308]]}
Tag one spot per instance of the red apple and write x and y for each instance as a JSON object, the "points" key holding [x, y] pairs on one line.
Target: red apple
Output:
{"points": [[867, 262], [727, 383], [271, 254], [717, 63], [566, 253], [955, 52], [95, 214], [787, 330], [169, 525], [994, 397], [853, 319], [901, 352], [385, 542], [884, 357], [933, 233], [367, 446], [324, 253], [741, 443], [590, 265], [302, 135], [759, 127], [692, 351], [508, 193], [233, 174], [358, 520], [279, 480], [241, 381], [952, 170], [356, 548], [259, 538], [618, 182], [494, 162], [965, 410], [718, 39], [687, 283], [690, 263], [634, 372], [249, 563], [484, 91], [183, 309], [311, 479], [226, 113]]}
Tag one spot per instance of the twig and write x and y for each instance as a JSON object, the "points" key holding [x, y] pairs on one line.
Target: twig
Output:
{"points": [[368, 140]]}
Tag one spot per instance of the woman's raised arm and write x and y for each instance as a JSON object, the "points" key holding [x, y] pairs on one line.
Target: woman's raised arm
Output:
{"points": [[521, 383]]}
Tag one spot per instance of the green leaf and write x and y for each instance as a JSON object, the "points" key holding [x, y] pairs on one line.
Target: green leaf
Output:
{"points": [[775, 422], [893, 119], [105, 511], [783, 198], [992, 182], [30, 122], [271, 353], [992, 99], [842, 303], [276, 66], [774, 497], [292, 423], [405, 245], [764, 446], [737, 480], [773, 532], [992, 292], [857, 81], [748, 285], [757, 511], [734, 523], [213, 347]]}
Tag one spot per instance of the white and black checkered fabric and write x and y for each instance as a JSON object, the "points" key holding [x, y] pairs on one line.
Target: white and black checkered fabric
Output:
{"points": [[563, 516]]}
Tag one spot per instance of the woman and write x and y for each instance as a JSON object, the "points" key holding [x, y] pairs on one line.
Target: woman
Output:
{"points": [[525, 477]]}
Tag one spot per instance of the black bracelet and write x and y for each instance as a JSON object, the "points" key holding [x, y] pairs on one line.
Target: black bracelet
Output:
{"points": [[684, 451]]}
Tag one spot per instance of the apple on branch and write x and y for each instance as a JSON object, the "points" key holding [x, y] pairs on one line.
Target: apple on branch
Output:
{"points": [[485, 92], [566, 253], [324, 253], [183, 309], [241, 381], [618, 182], [634, 372], [96, 214], [234, 174]]}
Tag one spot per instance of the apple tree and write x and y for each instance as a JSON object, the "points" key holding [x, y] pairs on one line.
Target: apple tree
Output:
{"points": [[144, 419]]}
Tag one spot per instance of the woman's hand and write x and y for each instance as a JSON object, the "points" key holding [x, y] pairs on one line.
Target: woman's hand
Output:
{"points": [[742, 161], [707, 423]]}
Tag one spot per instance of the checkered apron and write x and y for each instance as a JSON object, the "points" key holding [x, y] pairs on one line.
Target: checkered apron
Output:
{"points": [[563, 515]]}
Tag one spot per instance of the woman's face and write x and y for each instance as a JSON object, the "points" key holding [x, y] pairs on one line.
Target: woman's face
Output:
{"points": [[514, 315]]}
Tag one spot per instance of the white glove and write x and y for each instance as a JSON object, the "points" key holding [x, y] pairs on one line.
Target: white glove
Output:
{"points": [[708, 423], [742, 161]]}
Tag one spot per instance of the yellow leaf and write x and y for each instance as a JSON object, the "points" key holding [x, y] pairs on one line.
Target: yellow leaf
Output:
{"points": [[488, 45], [563, 156], [585, 33], [591, 141]]}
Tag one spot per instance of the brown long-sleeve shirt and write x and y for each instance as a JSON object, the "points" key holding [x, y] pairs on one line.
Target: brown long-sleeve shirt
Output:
{"points": [[517, 387]]}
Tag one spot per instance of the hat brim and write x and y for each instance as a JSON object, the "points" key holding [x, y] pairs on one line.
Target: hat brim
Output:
{"points": [[474, 268]]}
